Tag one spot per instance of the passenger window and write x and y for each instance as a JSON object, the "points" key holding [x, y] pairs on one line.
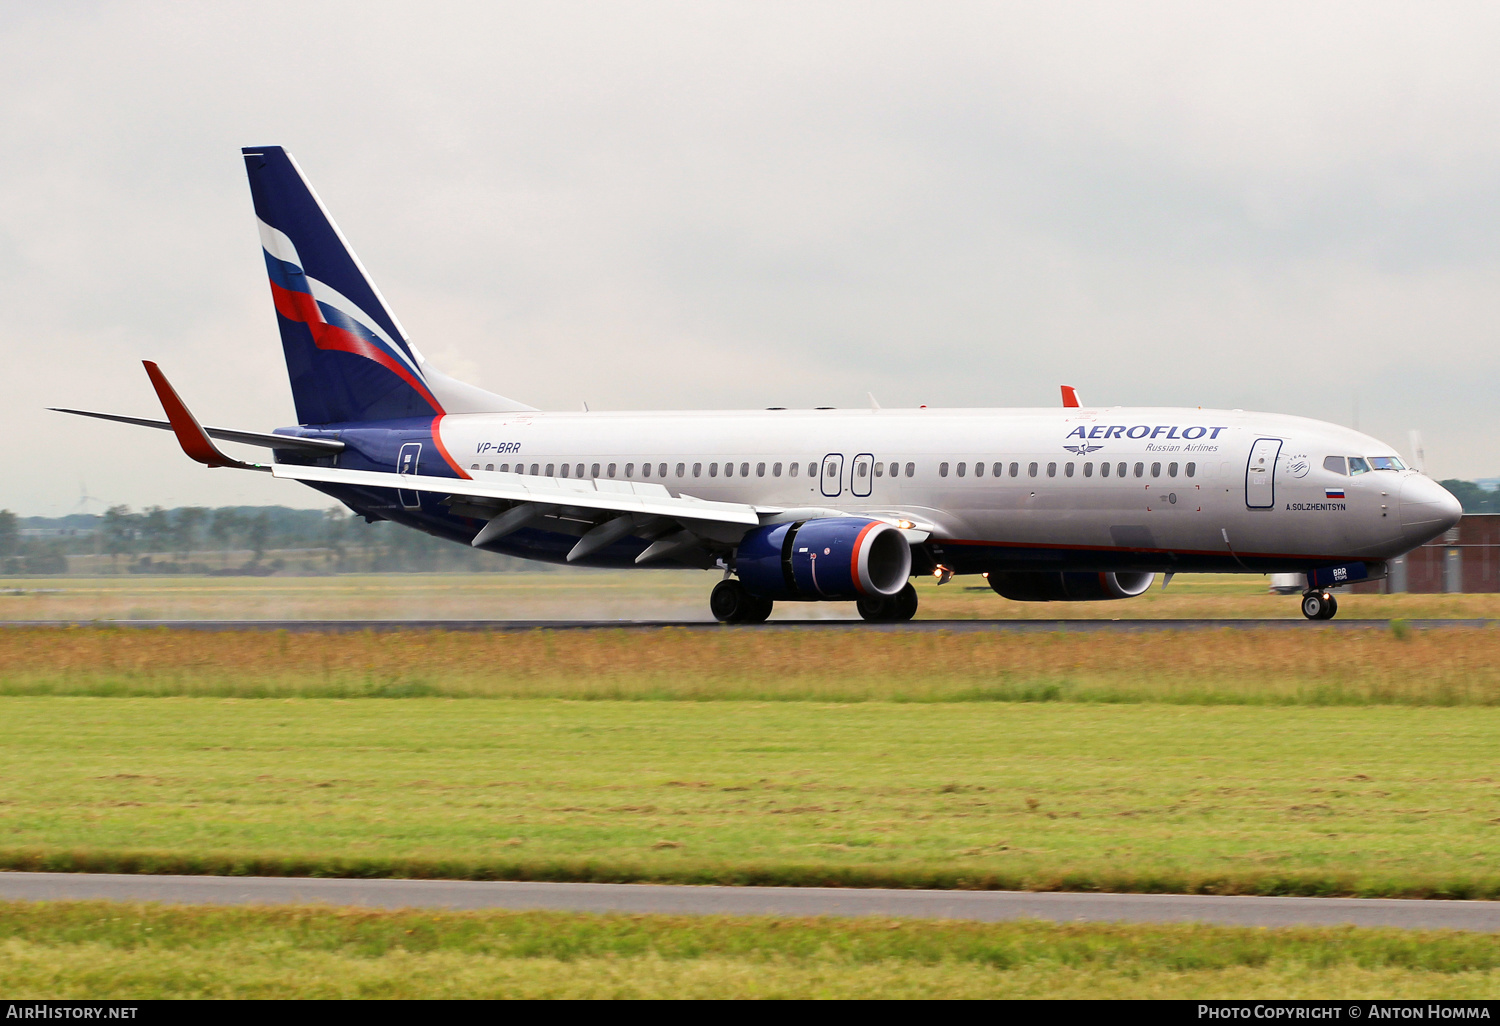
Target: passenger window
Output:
{"points": [[682, 470], [1015, 470], [1120, 469], [744, 470], [1335, 465], [661, 470], [473, 466], [1032, 470], [534, 470], [1191, 468], [880, 470], [564, 470], [776, 470], [487, 466], [962, 467], [760, 470], [697, 470], [1052, 470], [1088, 470], [594, 470], [911, 470], [729, 470], [645, 470], [612, 470], [997, 470], [630, 470], [713, 470], [1171, 470], [1357, 465], [1104, 470], [1140, 470], [979, 470], [1156, 470], [550, 467], [792, 471], [505, 467], [1068, 470], [942, 470]]}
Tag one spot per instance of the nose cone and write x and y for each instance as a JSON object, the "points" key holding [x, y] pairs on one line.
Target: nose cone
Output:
{"points": [[1427, 509]]}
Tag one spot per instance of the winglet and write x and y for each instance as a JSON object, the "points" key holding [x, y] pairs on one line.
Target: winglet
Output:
{"points": [[190, 434], [1070, 396]]}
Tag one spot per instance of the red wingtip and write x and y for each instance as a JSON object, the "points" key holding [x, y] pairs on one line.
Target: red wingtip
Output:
{"points": [[190, 434], [1070, 396]]}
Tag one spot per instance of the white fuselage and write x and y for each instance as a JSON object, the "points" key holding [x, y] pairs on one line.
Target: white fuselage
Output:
{"points": [[1142, 487]]}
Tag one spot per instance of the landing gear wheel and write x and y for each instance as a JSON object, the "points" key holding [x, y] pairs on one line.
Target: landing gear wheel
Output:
{"points": [[904, 604], [874, 610], [731, 603], [1319, 605], [897, 608]]}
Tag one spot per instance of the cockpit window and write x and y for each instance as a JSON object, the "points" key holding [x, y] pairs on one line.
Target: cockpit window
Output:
{"points": [[1357, 465], [1386, 463], [1335, 465]]}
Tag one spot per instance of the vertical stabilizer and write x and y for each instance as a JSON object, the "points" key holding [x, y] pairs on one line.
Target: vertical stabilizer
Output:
{"points": [[348, 358]]}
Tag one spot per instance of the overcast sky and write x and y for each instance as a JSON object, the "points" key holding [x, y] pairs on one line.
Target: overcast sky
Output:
{"points": [[695, 205]]}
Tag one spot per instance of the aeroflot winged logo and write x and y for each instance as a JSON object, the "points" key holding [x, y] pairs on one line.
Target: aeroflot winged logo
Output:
{"points": [[1083, 450], [335, 321]]}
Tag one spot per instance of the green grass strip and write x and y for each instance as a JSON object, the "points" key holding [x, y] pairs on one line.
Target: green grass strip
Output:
{"points": [[127, 950]]}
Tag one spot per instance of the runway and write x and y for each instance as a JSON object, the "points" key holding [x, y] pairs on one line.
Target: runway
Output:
{"points": [[914, 626], [980, 906]]}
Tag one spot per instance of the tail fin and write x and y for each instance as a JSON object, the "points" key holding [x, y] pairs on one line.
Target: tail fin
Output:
{"points": [[346, 353]]}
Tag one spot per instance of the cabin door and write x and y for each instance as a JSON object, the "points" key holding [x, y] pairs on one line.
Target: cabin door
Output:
{"points": [[1260, 473], [407, 463]]}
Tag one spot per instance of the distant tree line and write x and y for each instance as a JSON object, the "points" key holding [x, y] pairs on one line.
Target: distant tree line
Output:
{"points": [[230, 540], [1473, 498]]}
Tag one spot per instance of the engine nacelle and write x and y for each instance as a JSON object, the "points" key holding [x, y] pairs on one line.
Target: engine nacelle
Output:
{"points": [[829, 558], [1071, 586]]}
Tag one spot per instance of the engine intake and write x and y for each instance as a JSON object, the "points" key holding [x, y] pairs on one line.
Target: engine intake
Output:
{"points": [[1072, 586], [829, 558]]}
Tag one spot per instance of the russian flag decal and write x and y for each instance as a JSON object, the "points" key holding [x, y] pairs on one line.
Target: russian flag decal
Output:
{"points": [[1333, 493]]}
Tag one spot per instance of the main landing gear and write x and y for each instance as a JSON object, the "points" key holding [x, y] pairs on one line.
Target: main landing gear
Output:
{"points": [[897, 608], [1319, 605], [731, 602]]}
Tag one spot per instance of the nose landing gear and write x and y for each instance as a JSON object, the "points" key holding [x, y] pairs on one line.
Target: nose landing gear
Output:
{"points": [[1319, 605]]}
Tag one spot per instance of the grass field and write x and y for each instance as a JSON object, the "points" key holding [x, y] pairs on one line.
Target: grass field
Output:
{"points": [[1371, 800], [1243, 667], [660, 594], [96, 950]]}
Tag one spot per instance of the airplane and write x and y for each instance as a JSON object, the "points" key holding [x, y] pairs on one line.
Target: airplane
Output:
{"points": [[1076, 503]]}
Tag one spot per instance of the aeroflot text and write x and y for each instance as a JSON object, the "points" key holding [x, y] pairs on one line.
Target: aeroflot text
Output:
{"points": [[1144, 431]]}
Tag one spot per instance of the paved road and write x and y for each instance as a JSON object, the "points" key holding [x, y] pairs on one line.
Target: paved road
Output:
{"points": [[984, 906], [956, 626]]}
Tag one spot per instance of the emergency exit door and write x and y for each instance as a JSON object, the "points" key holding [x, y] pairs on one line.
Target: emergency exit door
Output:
{"points": [[832, 477], [1260, 473]]}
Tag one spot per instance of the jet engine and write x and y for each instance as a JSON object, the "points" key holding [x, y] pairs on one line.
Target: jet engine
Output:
{"points": [[828, 558], [1072, 586]]}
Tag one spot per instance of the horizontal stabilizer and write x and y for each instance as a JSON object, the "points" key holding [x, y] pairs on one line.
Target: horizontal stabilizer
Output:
{"points": [[321, 446]]}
